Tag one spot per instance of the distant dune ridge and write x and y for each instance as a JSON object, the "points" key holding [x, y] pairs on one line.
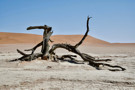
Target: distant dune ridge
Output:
{"points": [[73, 39], [15, 38]]}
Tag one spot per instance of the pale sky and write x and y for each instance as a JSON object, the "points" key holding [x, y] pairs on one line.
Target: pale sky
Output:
{"points": [[112, 20]]}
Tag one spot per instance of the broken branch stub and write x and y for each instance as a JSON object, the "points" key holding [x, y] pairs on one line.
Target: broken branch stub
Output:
{"points": [[45, 27]]}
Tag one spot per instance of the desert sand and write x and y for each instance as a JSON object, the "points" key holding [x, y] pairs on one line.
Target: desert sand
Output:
{"points": [[63, 75], [17, 38]]}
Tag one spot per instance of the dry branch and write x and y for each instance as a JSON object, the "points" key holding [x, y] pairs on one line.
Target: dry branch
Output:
{"points": [[85, 33], [92, 61]]}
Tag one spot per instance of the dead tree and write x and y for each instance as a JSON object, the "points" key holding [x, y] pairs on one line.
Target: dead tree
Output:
{"points": [[92, 61], [45, 52], [45, 46]]}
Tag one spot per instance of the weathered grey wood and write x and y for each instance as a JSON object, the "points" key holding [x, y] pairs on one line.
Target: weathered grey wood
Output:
{"points": [[46, 38], [45, 27], [45, 46]]}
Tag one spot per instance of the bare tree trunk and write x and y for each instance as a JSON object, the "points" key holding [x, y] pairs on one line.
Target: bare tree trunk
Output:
{"points": [[46, 37], [45, 46]]}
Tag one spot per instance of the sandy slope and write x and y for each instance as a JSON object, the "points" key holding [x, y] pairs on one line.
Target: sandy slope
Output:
{"points": [[73, 39], [13, 38], [47, 75]]}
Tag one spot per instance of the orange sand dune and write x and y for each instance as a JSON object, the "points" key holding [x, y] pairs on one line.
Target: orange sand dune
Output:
{"points": [[14, 38], [73, 39]]}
